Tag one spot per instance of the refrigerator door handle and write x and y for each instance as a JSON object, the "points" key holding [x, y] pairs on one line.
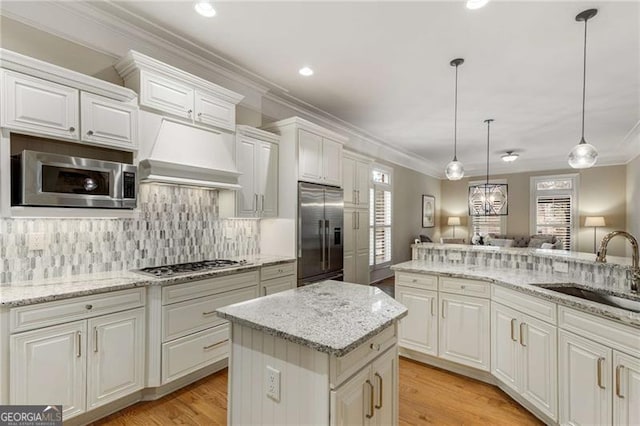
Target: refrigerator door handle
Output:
{"points": [[327, 230], [322, 236]]}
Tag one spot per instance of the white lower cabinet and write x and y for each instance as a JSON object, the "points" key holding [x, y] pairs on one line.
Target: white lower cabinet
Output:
{"points": [[626, 399], [464, 330], [369, 397], [81, 364], [419, 329], [523, 356], [356, 246], [277, 285]]}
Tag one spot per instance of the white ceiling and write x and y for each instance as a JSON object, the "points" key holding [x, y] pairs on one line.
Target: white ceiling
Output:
{"points": [[384, 67]]}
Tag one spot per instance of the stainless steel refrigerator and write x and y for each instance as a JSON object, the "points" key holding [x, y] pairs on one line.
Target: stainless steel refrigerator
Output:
{"points": [[320, 233]]}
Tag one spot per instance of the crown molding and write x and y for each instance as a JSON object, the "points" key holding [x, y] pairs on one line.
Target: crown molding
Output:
{"points": [[255, 133]]}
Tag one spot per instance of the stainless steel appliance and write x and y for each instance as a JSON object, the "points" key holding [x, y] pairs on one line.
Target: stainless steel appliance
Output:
{"points": [[45, 179], [184, 268], [320, 233]]}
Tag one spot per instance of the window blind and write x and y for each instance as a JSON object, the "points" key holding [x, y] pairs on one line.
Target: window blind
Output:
{"points": [[554, 217], [380, 213]]}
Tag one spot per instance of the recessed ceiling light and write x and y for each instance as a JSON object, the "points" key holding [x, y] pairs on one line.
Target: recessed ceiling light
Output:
{"points": [[476, 4], [510, 156], [305, 71], [205, 8]]}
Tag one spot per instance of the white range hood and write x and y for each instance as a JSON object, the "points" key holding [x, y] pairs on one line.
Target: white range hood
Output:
{"points": [[176, 153]]}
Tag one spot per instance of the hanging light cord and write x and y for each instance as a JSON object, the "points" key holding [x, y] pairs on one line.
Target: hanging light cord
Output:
{"points": [[584, 77], [488, 125], [455, 120]]}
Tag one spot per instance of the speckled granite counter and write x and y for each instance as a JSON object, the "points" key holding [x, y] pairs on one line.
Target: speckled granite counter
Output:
{"points": [[26, 293], [525, 281], [332, 317]]}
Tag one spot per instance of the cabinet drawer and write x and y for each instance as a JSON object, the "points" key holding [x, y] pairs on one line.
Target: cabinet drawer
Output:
{"points": [[277, 285], [464, 286], [180, 319], [530, 305], [206, 287], [424, 281], [190, 353], [44, 314], [276, 271], [341, 368]]}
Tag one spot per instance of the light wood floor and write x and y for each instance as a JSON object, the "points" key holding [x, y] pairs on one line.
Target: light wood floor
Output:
{"points": [[427, 396]]}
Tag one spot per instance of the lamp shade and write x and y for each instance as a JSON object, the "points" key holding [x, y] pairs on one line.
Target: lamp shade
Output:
{"points": [[453, 221], [594, 221]]}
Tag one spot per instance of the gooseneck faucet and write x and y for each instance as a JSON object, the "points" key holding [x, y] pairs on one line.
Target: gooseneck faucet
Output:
{"points": [[635, 268]]}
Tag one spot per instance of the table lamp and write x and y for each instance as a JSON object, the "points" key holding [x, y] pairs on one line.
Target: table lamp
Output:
{"points": [[454, 221], [594, 222]]}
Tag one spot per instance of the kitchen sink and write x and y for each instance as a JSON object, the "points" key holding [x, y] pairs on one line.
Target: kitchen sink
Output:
{"points": [[595, 296]]}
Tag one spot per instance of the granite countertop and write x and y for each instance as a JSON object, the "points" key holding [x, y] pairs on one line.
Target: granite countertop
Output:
{"points": [[331, 316], [47, 290], [525, 281]]}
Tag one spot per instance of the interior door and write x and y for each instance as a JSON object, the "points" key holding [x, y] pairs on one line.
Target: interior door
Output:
{"points": [[334, 230], [311, 231]]}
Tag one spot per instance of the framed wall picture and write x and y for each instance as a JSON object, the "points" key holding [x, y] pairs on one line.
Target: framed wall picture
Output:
{"points": [[428, 211]]}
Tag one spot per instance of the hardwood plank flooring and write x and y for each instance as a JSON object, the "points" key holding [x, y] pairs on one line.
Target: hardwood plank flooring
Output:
{"points": [[428, 395]]}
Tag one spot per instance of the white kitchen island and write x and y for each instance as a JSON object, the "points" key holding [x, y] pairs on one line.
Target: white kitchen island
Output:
{"points": [[324, 354]]}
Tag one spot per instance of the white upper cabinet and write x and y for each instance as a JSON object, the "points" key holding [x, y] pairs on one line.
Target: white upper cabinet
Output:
{"points": [[319, 159], [332, 162], [34, 105], [356, 176], [108, 122], [257, 161], [173, 91]]}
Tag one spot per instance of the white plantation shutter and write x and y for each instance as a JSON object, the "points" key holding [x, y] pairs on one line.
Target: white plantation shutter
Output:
{"points": [[554, 205], [380, 213]]}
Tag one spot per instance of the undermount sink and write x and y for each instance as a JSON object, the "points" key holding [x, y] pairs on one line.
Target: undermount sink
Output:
{"points": [[595, 296]]}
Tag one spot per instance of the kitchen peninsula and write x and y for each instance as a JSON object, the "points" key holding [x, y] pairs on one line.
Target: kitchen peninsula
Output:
{"points": [[320, 354]]}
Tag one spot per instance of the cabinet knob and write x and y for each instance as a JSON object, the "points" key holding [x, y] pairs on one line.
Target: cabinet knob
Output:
{"points": [[90, 132], [72, 129], [199, 114], [463, 287], [414, 280], [375, 346], [88, 307], [190, 111]]}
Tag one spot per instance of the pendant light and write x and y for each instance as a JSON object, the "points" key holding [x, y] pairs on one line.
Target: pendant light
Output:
{"points": [[584, 155], [488, 199], [455, 170]]}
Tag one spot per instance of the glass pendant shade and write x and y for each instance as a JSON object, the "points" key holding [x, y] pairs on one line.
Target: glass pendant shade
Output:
{"points": [[583, 156], [454, 170]]}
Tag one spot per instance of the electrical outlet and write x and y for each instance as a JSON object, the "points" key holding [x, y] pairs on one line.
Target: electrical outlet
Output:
{"points": [[455, 256], [36, 241], [273, 383], [562, 267]]}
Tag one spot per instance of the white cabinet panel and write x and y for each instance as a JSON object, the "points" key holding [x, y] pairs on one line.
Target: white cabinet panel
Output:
{"points": [[34, 105], [505, 351], [166, 95], [363, 179], [332, 162], [210, 109], [277, 285], [356, 177], [585, 381], [356, 246], [108, 122], [419, 329], [348, 180], [309, 156], [626, 399], [247, 197], [116, 356], [48, 367], [385, 381], [267, 179], [258, 162]]}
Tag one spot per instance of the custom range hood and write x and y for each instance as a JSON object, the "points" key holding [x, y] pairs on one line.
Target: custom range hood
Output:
{"points": [[176, 153]]}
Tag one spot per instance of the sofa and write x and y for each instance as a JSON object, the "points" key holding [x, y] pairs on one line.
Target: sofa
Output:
{"points": [[533, 241]]}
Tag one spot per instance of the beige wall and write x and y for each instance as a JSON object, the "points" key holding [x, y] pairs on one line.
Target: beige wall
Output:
{"points": [[601, 193], [633, 199]]}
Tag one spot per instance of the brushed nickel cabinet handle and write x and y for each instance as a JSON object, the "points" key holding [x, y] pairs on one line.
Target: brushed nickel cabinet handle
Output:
{"points": [[262, 203], [255, 199], [264, 290], [215, 345], [619, 369], [370, 413], [444, 313], [95, 339], [206, 314], [522, 328], [600, 371], [78, 344], [433, 306], [379, 404], [353, 220], [513, 329], [354, 196]]}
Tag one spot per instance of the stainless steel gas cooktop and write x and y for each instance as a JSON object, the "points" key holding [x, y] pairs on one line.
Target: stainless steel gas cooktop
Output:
{"points": [[183, 268]]}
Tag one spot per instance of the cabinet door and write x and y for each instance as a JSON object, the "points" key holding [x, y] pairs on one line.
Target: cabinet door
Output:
{"points": [[211, 110], [309, 156], [352, 403], [332, 162], [385, 380], [48, 367], [363, 179], [349, 181], [538, 344], [246, 161], [35, 105], [585, 381], [349, 245], [464, 330], [419, 329], [626, 399], [277, 285], [505, 350], [267, 179], [362, 267], [116, 356], [108, 122], [166, 95]]}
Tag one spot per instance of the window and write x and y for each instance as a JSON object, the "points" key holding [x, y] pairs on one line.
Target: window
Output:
{"points": [[380, 212], [484, 225], [553, 207]]}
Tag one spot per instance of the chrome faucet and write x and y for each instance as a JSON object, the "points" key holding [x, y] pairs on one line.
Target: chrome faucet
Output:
{"points": [[635, 268]]}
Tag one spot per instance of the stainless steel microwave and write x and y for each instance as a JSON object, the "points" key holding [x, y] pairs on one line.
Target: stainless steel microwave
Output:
{"points": [[45, 179]]}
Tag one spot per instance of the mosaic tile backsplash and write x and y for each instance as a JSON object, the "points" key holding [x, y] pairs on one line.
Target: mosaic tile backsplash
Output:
{"points": [[604, 275], [176, 224]]}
